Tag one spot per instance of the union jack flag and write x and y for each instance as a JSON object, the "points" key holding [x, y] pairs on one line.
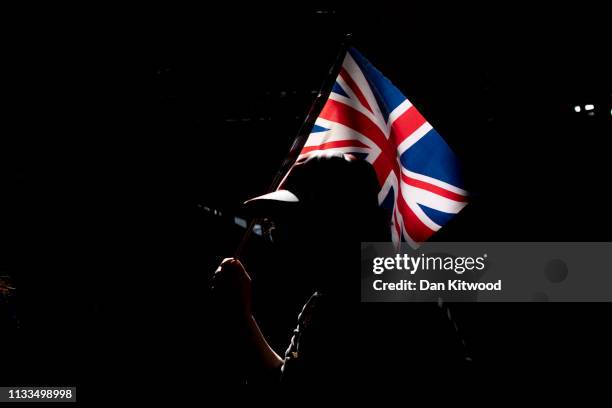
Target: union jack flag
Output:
{"points": [[367, 116]]}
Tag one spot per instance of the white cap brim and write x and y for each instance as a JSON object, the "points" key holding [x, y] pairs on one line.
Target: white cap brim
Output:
{"points": [[285, 196]]}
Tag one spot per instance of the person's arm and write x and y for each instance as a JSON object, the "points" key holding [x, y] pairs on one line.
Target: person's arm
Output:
{"points": [[233, 283], [263, 354]]}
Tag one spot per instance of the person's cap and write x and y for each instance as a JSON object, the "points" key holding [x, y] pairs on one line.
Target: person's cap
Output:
{"points": [[320, 181]]}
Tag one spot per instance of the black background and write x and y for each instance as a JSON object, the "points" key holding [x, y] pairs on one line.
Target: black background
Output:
{"points": [[121, 124]]}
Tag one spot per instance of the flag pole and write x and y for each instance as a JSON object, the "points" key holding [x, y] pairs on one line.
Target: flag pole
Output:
{"points": [[303, 131]]}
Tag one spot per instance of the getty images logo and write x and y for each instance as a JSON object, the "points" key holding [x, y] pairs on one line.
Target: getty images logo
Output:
{"points": [[413, 264]]}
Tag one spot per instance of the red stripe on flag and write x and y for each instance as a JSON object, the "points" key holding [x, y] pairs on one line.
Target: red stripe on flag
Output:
{"points": [[386, 161], [335, 144], [433, 189], [345, 115], [349, 81], [405, 125], [383, 167]]}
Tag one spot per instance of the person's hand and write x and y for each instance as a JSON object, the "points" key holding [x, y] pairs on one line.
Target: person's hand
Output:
{"points": [[231, 284]]}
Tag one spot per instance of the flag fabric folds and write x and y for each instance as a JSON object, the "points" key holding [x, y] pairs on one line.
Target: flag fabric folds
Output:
{"points": [[367, 116]]}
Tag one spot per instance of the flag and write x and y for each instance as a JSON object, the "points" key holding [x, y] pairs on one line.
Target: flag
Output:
{"points": [[367, 116]]}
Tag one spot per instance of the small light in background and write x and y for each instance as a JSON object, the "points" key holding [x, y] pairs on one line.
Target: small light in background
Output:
{"points": [[257, 229], [577, 108], [589, 107], [241, 222], [210, 210]]}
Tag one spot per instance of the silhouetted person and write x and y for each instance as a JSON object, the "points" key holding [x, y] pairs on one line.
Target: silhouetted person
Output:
{"points": [[323, 210]]}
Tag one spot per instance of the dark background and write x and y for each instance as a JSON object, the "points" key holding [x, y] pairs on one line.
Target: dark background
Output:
{"points": [[122, 125]]}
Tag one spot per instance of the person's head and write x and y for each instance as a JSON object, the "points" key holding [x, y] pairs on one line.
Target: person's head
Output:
{"points": [[323, 209]]}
